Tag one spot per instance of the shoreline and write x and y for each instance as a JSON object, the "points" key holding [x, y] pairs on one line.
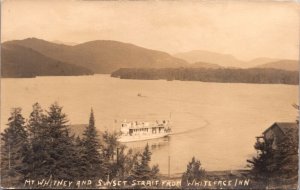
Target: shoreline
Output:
{"points": [[214, 173]]}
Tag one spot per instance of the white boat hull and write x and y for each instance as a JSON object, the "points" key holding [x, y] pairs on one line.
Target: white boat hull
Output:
{"points": [[133, 138]]}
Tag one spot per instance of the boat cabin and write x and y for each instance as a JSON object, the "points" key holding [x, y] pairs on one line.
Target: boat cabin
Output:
{"points": [[137, 128]]}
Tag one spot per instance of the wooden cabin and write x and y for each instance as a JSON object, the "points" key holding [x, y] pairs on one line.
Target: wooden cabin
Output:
{"points": [[278, 130]]}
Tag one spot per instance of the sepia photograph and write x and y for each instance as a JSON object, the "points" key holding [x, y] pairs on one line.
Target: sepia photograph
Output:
{"points": [[149, 94]]}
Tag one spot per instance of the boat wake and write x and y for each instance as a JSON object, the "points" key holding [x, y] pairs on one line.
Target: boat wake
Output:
{"points": [[191, 130]]}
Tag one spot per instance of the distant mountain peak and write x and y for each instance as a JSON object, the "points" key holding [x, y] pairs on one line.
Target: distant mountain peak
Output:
{"points": [[33, 39], [222, 59], [225, 60], [102, 56], [64, 43], [288, 65]]}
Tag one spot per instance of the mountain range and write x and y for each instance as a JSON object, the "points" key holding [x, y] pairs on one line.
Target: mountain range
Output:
{"points": [[19, 62], [102, 56], [221, 59], [289, 65], [35, 57]]}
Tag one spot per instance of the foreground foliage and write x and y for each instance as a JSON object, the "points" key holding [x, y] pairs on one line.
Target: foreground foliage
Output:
{"points": [[44, 148], [194, 171], [276, 167]]}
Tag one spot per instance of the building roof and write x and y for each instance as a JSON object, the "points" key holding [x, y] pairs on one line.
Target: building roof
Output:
{"points": [[285, 127]]}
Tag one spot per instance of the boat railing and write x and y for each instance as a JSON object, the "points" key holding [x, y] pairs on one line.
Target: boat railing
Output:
{"points": [[143, 125]]}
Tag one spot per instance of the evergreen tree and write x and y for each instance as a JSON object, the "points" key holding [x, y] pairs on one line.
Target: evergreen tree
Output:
{"points": [[194, 171], [120, 163], [81, 163], [14, 155], [124, 163], [129, 163], [36, 122], [61, 150], [155, 172], [278, 165], [285, 163], [78, 141], [92, 151], [37, 128], [141, 169], [262, 165], [111, 145], [113, 154]]}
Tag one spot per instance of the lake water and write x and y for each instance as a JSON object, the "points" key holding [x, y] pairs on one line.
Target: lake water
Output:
{"points": [[215, 122]]}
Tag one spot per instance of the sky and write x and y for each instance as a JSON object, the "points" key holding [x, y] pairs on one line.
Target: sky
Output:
{"points": [[246, 29]]}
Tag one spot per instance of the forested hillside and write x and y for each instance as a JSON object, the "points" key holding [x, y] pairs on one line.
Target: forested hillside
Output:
{"points": [[254, 75], [18, 61]]}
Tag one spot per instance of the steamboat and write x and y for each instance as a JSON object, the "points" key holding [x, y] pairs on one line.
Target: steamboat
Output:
{"points": [[139, 131]]}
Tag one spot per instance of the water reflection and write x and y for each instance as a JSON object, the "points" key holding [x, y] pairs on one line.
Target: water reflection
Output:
{"points": [[154, 144]]}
